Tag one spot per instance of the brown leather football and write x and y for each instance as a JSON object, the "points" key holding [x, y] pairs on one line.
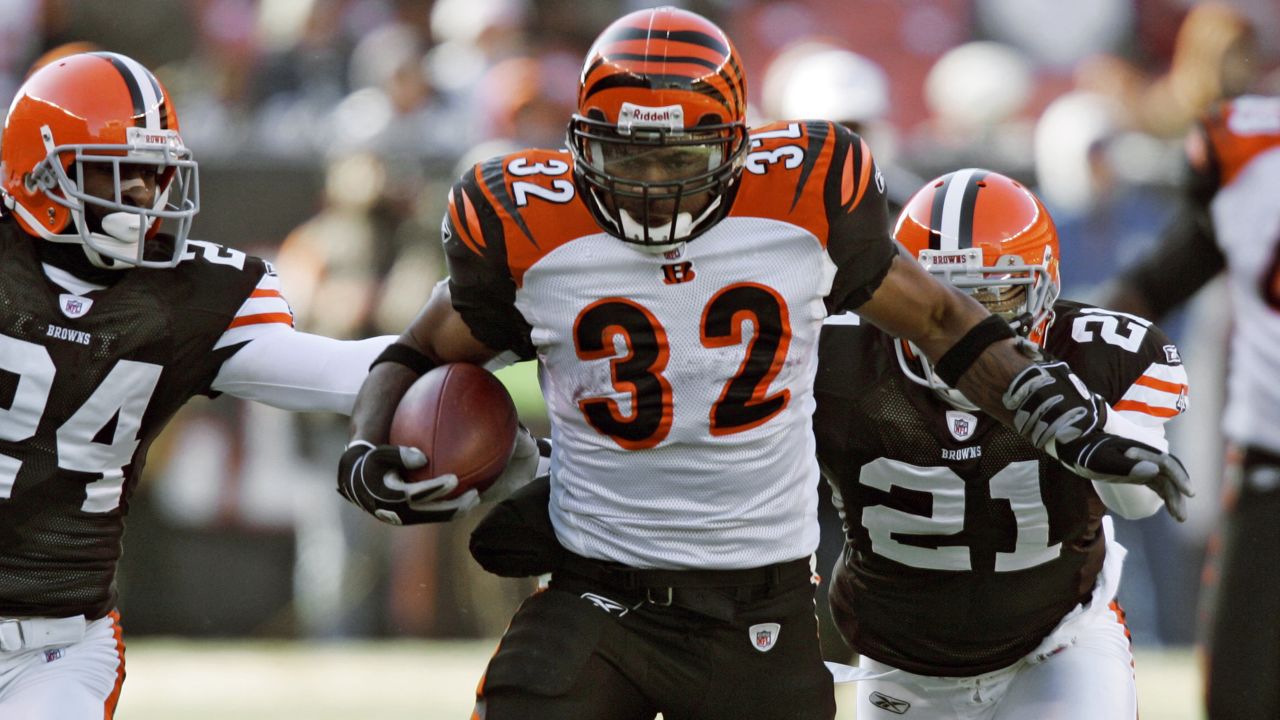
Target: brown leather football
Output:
{"points": [[463, 419]]}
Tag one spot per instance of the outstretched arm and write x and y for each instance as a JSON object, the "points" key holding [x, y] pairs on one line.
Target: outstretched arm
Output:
{"points": [[1039, 397]]}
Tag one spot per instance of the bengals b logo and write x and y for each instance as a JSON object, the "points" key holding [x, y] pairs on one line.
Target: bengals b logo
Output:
{"points": [[677, 273]]}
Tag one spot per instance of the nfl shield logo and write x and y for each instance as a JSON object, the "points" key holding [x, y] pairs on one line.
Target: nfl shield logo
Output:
{"points": [[764, 636], [74, 306], [961, 424]]}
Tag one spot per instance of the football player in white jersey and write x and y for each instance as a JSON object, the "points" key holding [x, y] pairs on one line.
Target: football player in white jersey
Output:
{"points": [[1231, 224], [107, 326], [979, 575], [671, 271]]}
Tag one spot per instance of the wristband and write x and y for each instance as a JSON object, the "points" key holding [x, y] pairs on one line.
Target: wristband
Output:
{"points": [[956, 361], [407, 356]]}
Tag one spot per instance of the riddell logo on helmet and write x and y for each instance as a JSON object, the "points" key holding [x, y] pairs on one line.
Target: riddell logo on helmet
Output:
{"points": [[670, 117]]}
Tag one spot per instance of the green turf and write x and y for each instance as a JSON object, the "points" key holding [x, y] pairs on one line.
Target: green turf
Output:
{"points": [[418, 680]]}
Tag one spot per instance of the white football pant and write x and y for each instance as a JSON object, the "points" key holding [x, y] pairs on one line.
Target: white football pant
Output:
{"points": [[1082, 671], [78, 681]]}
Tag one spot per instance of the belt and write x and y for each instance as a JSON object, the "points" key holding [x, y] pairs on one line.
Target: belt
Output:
{"points": [[710, 592], [29, 633]]}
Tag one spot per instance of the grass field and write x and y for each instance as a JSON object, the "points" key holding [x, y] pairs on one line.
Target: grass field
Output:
{"points": [[422, 680]]}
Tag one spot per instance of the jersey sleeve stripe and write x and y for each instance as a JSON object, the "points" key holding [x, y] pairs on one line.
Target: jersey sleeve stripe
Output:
{"points": [[1135, 406], [846, 178], [1154, 398], [1164, 385], [242, 320], [261, 292], [864, 175], [461, 220]]}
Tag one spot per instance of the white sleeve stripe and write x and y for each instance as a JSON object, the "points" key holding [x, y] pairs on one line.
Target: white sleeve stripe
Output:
{"points": [[1152, 396], [260, 305], [1169, 373]]}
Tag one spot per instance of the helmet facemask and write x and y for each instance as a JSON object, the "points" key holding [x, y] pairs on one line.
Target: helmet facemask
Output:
{"points": [[655, 183], [1018, 292], [124, 235]]}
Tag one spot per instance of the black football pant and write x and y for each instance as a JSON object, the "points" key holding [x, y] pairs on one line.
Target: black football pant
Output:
{"points": [[1244, 634], [588, 650]]}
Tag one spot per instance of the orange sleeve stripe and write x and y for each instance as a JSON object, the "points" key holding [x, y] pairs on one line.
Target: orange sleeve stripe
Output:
{"points": [[1135, 406], [265, 293], [473, 223], [846, 179], [1158, 384], [866, 173], [260, 318]]}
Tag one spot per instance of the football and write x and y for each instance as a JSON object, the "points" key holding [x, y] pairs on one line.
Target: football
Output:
{"points": [[463, 419]]}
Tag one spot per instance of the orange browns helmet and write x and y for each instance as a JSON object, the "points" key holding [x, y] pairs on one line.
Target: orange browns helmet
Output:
{"points": [[97, 107], [988, 235], [660, 134]]}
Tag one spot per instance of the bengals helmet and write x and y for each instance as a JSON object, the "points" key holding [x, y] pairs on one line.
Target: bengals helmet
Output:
{"points": [[986, 234], [103, 108], [660, 134]]}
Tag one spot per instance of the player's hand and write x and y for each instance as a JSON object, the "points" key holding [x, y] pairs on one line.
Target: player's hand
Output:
{"points": [[1050, 403], [1112, 458], [525, 464], [372, 477]]}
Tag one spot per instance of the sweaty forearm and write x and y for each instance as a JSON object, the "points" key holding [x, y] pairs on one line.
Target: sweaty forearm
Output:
{"points": [[376, 403]]}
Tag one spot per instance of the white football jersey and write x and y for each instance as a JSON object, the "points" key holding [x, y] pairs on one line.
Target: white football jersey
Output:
{"points": [[679, 384], [1245, 141]]}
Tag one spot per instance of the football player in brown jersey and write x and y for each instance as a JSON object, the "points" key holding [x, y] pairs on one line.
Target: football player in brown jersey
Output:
{"points": [[671, 271], [107, 326], [979, 575], [1230, 224]]}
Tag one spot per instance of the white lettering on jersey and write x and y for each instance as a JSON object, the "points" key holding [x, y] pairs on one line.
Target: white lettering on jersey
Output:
{"points": [[75, 336], [966, 453]]}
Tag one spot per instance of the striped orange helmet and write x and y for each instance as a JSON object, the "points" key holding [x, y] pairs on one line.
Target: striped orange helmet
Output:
{"points": [[108, 110], [988, 235], [660, 134]]}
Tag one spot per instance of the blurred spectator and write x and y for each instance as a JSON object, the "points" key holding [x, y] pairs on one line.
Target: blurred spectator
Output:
{"points": [[815, 80], [393, 108], [525, 100], [1055, 34], [1215, 55], [976, 94]]}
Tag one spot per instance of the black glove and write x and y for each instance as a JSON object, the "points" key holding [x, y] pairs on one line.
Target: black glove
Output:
{"points": [[371, 477], [1050, 403], [1113, 458]]}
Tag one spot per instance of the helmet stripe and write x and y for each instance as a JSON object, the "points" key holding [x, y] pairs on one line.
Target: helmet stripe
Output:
{"points": [[951, 217], [144, 91], [644, 57], [648, 82], [691, 37]]}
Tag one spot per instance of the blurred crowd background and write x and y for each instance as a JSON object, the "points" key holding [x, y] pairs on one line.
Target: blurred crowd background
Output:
{"points": [[328, 132]]}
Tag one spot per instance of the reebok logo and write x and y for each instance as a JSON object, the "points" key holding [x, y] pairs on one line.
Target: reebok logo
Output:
{"points": [[613, 607], [889, 704]]}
